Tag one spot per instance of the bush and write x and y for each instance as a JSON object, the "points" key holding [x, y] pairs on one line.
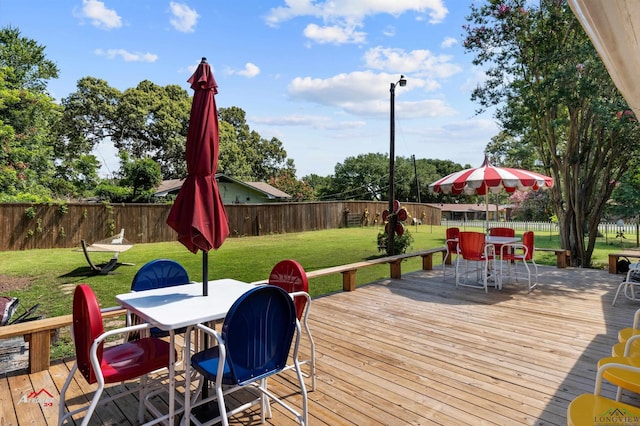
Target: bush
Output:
{"points": [[400, 242]]}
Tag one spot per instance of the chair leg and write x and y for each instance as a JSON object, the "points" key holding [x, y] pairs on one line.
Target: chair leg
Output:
{"points": [[63, 394], [618, 292]]}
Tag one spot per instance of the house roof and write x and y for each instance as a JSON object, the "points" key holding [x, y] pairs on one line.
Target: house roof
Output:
{"points": [[174, 185], [167, 186], [269, 190], [473, 207]]}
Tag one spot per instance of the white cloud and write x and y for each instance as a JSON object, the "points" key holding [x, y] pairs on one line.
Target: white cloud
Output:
{"points": [[334, 34], [315, 121], [126, 55], [99, 15], [183, 18], [341, 17], [448, 42], [250, 70], [354, 9], [389, 31], [419, 62], [365, 93]]}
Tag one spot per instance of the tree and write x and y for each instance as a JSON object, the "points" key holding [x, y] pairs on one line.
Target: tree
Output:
{"points": [[286, 181], [552, 92], [264, 158], [365, 177], [27, 117]]}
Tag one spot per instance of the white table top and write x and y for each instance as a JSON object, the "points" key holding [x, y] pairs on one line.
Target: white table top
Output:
{"points": [[493, 239], [179, 306]]}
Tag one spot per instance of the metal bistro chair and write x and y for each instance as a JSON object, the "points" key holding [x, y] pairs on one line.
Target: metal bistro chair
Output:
{"points": [[451, 244], [254, 344], [159, 273], [586, 409], [501, 232], [472, 248], [520, 252], [113, 364], [630, 284], [290, 276]]}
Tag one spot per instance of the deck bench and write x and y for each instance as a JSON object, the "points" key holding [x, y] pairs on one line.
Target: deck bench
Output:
{"points": [[614, 257], [349, 271], [39, 333], [563, 256]]}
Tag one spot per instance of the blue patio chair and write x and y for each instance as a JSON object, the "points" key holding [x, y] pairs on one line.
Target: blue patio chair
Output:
{"points": [[254, 344], [160, 273]]}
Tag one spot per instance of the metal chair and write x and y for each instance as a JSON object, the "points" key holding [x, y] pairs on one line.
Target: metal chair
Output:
{"points": [[520, 252], [451, 243], [290, 276], [501, 232], [630, 284], [586, 409], [113, 364], [472, 248], [159, 273], [254, 344]]}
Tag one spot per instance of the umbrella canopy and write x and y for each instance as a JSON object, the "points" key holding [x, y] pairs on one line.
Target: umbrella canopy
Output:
{"points": [[489, 178], [198, 213]]}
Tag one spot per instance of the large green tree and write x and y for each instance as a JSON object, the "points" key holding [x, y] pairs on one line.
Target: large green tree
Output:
{"points": [[552, 92], [32, 164], [265, 158]]}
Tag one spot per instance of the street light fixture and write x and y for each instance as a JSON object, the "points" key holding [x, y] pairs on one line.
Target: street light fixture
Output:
{"points": [[392, 158]]}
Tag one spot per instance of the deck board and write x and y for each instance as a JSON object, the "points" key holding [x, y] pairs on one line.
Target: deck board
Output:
{"points": [[419, 351]]}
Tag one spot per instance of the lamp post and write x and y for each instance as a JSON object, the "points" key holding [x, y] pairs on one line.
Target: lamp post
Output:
{"points": [[392, 158]]}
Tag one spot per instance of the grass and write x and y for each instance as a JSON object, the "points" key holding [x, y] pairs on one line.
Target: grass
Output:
{"points": [[52, 274]]}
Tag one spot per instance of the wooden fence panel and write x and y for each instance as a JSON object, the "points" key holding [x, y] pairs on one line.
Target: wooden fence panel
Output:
{"points": [[25, 226]]}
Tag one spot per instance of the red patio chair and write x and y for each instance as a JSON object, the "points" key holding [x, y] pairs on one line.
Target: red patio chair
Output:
{"points": [[501, 232], [290, 276], [113, 364], [520, 252], [472, 248], [451, 243]]}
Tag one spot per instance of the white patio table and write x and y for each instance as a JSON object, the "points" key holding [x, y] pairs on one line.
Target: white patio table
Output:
{"points": [[172, 308]]}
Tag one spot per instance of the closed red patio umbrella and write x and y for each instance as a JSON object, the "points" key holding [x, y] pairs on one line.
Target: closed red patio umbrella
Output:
{"points": [[198, 214]]}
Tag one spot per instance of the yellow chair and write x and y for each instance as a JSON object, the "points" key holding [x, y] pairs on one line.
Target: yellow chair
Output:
{"points": [[623, 378], [631, 347], [595, 409], [625, 333]]}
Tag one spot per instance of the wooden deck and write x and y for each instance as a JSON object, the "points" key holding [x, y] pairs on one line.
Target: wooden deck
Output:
{"points": [[418, 351]]}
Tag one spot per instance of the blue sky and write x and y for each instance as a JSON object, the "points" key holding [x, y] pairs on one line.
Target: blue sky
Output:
{"points": [[314, 74]]}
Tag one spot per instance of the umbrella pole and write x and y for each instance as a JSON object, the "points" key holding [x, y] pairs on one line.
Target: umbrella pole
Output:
{"points": [[205, 273], [205, 292], [486, 206]]}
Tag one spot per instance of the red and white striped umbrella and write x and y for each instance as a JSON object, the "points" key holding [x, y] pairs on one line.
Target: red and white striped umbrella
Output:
{"points": [[489, 178]]}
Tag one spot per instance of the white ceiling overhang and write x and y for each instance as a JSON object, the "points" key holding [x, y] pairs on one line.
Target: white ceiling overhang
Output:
{"points": [[614, 29]]}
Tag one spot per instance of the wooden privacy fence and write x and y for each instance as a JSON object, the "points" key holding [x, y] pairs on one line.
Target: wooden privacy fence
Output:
{"points": [[26, 226]]}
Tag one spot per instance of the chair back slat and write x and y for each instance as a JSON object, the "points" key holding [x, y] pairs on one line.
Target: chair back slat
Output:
{"points": [[159, 273], [87, 326], [290, 276], [502, 232], [471, 245], [528, 241], [258, 331], [452, 234]]}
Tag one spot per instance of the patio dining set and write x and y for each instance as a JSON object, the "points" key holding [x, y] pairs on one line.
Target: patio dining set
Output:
{"points": [[481, 258], [262, 327]]}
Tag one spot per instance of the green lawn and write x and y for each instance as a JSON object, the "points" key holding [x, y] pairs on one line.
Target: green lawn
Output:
{"points": [[50, 275]]}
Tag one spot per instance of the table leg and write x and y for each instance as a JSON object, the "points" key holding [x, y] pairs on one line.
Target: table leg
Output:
{"points": [[172, 377]]}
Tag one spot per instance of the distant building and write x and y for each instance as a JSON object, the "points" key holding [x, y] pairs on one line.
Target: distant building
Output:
{"points": [[456, 211], [233, 191]]}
